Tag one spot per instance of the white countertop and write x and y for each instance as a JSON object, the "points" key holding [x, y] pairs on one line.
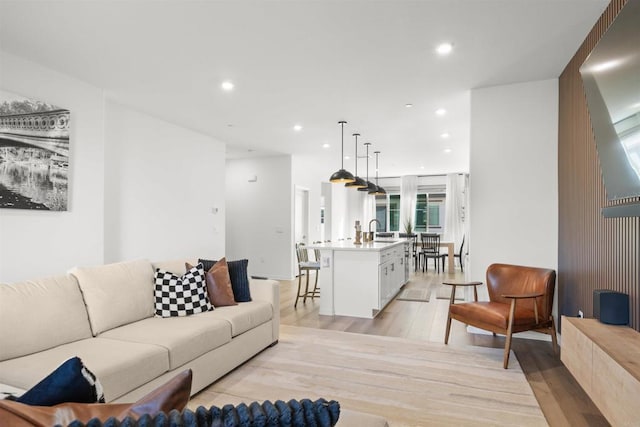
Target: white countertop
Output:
{"points": [[349, 245]]}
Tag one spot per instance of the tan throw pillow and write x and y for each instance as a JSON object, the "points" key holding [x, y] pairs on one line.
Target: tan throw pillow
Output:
{"points": [[219, 284]]}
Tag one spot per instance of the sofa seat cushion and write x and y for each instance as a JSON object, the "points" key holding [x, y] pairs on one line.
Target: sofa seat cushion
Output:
{"points": [[244, 316], [185, 338], [40, 314], [120, 366]]}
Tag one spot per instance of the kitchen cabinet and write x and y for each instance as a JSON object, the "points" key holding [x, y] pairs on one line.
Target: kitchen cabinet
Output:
{"points": [[360, 280]]}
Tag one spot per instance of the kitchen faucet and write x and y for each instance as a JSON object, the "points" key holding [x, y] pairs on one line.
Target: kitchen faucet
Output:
{"points": [[368, 237]]}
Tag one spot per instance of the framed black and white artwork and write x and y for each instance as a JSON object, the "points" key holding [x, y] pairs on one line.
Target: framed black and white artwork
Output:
{"points": [[34, 154]]}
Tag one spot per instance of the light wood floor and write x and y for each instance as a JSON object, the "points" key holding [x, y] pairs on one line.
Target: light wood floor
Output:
{"points": [[407, 382], [561, 398]]}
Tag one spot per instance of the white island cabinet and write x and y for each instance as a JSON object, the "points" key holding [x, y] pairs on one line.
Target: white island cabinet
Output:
{"points": [[360, 280]]}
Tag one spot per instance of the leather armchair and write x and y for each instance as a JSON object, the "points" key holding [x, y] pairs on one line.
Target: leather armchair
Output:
{"points": [[520, 299]]}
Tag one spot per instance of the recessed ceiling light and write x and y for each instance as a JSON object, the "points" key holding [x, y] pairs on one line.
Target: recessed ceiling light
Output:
{"points": [[229, 125], [421, 167], [227, 86], [347, 157], [447, 150], [325, 145], [408, 105], [441, 112], [445, 135], [297, 128], [444, 48]]}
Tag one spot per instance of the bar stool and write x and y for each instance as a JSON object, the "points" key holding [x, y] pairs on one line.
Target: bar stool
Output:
{"points": [[306, 266]]}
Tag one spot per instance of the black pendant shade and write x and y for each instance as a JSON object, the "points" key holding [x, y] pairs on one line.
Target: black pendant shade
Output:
{"points": [[358, 182], [342, 175], [379, 191], [371, 188]]}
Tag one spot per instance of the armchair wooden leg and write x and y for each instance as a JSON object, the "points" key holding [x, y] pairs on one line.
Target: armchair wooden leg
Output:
{"points": [[446, 334], [507, 345]]}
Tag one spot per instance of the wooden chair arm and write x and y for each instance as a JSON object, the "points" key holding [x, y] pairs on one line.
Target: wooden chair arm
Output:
{"points": [[514, 298], [522, 296], [453, 289], [462, 283]]}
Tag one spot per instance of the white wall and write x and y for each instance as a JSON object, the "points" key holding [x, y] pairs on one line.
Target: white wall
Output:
{"points": [[513, 176], [38, 243], [162, 185], [259, 219], [310, 172]]}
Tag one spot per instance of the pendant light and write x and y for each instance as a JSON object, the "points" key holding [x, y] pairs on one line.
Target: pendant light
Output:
{"points": [[359, 182], [379, 191], [370, 185], [342, 175]]}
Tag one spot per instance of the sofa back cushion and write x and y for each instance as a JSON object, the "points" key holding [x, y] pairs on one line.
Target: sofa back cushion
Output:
{"points": [[40, 314], [116, 294], [176, 266]]}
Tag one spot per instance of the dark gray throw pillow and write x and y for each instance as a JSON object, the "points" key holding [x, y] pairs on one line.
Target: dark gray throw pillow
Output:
{"points": [[238, 275]]}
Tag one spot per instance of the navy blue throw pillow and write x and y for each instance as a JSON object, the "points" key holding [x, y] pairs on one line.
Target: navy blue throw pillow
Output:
{"points": [[70, 382], [238, 275]]}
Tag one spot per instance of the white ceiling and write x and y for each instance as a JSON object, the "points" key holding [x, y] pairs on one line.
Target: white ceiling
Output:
{"points": [[310, 62]]}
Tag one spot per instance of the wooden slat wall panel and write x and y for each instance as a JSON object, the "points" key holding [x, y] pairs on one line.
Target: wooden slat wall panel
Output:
{"points": [[594, 252]]}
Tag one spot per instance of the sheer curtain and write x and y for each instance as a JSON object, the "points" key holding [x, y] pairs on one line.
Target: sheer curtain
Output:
{"points": [[453, 226], [408, 196]]}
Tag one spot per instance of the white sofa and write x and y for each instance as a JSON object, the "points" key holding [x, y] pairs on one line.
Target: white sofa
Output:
{"points": [[105, 316]]}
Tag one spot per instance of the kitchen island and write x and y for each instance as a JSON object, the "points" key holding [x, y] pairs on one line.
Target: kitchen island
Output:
{"points": [[360, 280]]}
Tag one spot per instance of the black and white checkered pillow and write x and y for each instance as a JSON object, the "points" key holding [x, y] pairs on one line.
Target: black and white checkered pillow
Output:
{"points": [[181, 296]]}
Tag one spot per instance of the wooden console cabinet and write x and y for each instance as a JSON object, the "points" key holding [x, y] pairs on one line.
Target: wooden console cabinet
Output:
{"points": [[605, 360]]}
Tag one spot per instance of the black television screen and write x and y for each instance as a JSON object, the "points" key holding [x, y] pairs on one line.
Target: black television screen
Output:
{"points": [[611, 79]]}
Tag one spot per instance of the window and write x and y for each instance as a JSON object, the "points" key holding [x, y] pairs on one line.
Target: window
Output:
{"points": [[388, 212], [429, 212], [421, 213], [394, 212]]}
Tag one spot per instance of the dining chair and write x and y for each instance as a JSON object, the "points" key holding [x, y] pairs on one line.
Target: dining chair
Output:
{"points": [[413, 247], [431, 249], [520, 299], [384, 234], [305, 267], [459, 255]]}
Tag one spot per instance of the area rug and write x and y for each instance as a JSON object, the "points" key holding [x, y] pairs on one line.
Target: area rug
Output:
{"points": [[414, 294], [408, 382], [444, 292]]}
